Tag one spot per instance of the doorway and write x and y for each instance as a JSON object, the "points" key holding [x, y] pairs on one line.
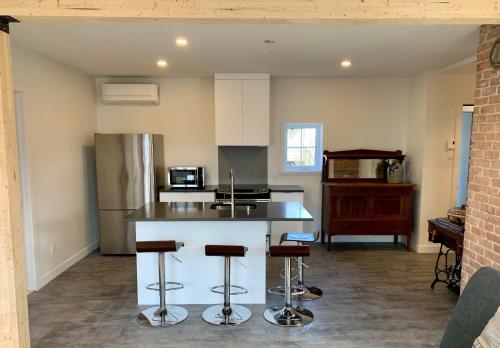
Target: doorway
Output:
{"points": [[465, 126]]}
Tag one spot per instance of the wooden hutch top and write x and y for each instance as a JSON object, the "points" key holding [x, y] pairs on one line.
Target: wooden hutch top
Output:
{"points": [[359, 154]]}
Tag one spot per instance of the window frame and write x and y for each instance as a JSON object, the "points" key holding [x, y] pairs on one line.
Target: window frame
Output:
{"points": [[318, 147]]}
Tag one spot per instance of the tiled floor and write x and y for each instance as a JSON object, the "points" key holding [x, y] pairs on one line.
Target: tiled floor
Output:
{"points": [[375, 296]]}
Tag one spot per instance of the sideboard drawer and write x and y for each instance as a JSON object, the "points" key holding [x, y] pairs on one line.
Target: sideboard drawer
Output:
{"points": [[376, 227], [388, 190]]}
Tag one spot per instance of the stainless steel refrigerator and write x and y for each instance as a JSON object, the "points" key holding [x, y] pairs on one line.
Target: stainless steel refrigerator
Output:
{"points": [[130, 172]]}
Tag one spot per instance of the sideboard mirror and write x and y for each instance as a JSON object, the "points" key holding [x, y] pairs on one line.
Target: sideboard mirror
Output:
{"points": [[364, 165]]}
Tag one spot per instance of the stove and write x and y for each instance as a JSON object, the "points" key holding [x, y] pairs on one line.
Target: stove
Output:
{"points": [[244, 193]]}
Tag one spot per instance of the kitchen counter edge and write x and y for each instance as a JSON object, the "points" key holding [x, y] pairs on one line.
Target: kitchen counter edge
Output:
{"points": [[199, 211]]}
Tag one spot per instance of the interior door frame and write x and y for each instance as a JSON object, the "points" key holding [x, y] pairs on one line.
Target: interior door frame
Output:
{"points": [[30, 241], [14, 328]]}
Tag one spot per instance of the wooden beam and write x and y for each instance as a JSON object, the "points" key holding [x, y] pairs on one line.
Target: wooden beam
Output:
{"points": [[262, 11], [13, 299]]}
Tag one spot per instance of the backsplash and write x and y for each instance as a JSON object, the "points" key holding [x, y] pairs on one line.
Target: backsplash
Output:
{"points": [[248, 162]]}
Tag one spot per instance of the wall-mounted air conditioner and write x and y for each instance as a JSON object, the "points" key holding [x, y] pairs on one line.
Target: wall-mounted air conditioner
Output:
{"points": [[130, 93]]}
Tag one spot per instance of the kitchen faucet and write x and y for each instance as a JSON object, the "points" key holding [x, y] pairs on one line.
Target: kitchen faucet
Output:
{"points": [[231, 177]]}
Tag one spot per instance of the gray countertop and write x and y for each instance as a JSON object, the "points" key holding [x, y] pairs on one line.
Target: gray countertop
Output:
{"points": [[211, 188], [180, 211]]}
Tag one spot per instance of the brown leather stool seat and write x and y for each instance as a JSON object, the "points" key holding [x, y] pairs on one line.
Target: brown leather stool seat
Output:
{"points": [[158, 246], [289, 251], [225, 250]]}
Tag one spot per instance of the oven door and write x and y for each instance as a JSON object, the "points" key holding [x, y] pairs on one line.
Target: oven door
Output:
{"points": [[183, 177]]}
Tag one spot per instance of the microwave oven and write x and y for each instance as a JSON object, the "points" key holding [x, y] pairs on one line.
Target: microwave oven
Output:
{"points": [[186, 177]]}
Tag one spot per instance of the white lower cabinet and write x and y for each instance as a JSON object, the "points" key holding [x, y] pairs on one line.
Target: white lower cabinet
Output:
{"points": [[172, 196], [280, 227]]}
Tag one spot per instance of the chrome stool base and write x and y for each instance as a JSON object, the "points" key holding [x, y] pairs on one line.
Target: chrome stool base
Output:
{"points": [[152, 316], [239, 314], [288, 316]]}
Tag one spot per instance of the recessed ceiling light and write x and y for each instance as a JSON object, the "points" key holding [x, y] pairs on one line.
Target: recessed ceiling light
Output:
{"points": [[346, 63], [162, 63], [181, 42]]}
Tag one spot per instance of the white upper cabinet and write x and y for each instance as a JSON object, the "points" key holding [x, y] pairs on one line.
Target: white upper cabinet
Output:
{"points": [[228, 112], [242, 109], [256, 112]]}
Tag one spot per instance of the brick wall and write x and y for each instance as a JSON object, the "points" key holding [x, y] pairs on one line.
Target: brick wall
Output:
{"points": [[482, 225]]}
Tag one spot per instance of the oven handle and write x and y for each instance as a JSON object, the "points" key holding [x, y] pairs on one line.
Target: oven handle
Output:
{"points": [[263, 200]]}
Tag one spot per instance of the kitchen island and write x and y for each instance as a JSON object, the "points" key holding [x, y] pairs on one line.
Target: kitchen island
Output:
{"points": [[199, 224]]}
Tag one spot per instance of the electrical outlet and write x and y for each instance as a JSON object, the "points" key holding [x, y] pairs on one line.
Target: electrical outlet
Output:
{"points": [[51, 248]]}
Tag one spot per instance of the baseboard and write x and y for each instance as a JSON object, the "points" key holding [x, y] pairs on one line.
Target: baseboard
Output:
{"points": [[427, 248], [362, 239], [53, 273]]}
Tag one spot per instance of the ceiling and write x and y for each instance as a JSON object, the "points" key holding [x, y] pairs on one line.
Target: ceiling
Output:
{"points": [[299, 50]]}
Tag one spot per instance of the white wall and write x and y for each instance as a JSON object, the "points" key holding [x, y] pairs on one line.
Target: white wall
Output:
{"points": [[416, 140], [357, 113], [185, 117], [60, 119], [437, 104], [447, 94]]}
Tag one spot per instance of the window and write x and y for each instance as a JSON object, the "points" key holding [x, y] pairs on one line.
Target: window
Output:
{"points": [[303, 147]]}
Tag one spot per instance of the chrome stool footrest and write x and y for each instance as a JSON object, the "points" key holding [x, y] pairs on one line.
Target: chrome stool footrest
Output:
{"points": [[280, 290], [156, 286], [241, 292]]}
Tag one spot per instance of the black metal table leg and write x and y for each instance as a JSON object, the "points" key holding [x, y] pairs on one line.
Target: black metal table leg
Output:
{"points": [[451, 271]]}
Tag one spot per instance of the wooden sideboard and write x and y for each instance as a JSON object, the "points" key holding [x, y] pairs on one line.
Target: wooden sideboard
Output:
{"points": [[364, 205], [368, 208]]}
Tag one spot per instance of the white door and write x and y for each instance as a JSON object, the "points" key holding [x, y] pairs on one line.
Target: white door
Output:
{"points": [[29, 235], [463, 126], [463, 158], [256, 112], [228, 112]]}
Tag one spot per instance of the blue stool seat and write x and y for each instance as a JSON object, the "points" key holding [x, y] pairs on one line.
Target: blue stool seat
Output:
{"points": [[299, 237]]}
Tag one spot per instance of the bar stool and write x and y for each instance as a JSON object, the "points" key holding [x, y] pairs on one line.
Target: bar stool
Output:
{"points": [[288, 315], [305, 293], [226, 314], [162, 315]]}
